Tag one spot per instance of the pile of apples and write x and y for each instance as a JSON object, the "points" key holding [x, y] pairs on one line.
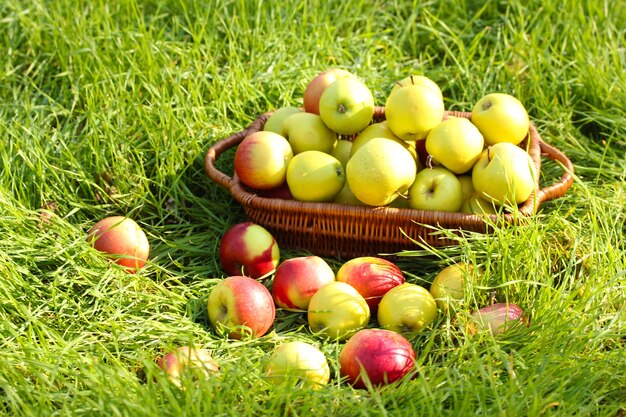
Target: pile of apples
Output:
{"points": [[367, 304], [333, 149]]}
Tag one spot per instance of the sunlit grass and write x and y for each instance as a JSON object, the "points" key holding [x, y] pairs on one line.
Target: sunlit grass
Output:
{"points": [[109, 107]]}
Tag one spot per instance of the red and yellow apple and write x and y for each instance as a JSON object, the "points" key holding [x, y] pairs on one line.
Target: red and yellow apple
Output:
{"points": [[297, 279], [188, 361], [122, 240], [377, 357], [261, 160], [249, 249], [241, 307], [371, 276]]}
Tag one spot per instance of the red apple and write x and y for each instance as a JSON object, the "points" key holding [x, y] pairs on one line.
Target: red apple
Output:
{"points": [[380, 356], [371, 276], [249, 249], [188, 360], [297, 279], [261, 160], [318, 84], [282, 192], [241, 306], [122, 239]]}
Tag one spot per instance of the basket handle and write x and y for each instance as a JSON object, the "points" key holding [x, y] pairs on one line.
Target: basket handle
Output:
{"points": [[559, 188], [225, 144]]}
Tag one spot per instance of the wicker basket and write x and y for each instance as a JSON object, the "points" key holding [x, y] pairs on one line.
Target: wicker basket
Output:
{"points": [[329, 229]]}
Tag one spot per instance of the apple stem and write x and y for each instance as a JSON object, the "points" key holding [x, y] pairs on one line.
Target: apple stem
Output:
{"points": [[429, 161]]}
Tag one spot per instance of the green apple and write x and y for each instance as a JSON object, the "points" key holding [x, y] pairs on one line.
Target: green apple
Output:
{"points": [[436, 189], [261, 160], [346, 196], [466, 185], [501, 118], [504, 174], [380, 171], [407, 309], [412, 111], [456, 144], [475, 204], [298, 361], [380, 130], [317, 85], [274, 123], [347, 106], [315, 176], [307, 132], [418, 80], [337, 311], [448, 286], [342, 151]]}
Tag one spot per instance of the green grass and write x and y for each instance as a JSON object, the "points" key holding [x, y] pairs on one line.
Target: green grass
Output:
{"points": [[109, 107]]}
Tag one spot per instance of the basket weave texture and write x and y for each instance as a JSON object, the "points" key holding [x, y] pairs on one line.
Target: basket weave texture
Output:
{"points": [[329, 229]]}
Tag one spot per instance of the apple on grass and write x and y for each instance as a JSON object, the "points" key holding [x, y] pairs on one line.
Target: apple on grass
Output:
{"points": [[372, 277], [347, 106], [241, 307], [504, 174], [501, 118], [122, 240], [407, 309], [261, 160], [298, 362], [188, 362], [448, 286], [307, 132], [436, 189], [337, 311], [317, 85], [297, 279], [376, 357], [248, 249]]}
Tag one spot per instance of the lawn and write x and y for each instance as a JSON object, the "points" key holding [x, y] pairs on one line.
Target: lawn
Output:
{"points": [[108, 108]]}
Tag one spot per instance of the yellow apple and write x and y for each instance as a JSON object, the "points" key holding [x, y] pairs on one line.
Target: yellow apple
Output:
{"points": [[315, 176], [342, 151], [380, 130], [380, 171], [307, 132], [436, 189], [418, 80], [412, 111], [300, 361], [407, 309], [347, 106], [337, 311], [501, 118], [504, 174], [274, 123], [448, 286], [456, 144]]}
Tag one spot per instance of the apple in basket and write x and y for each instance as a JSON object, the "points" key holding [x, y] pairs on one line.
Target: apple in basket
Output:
{"points": [[122, 239], [241, 307], [347, 106], [436, 189], [501, 118], [297, 279], [318, 84], [248, 249], [299, 362], [377, 357], [504, 174], [188, 361], [371, 276], [261, 160]]}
